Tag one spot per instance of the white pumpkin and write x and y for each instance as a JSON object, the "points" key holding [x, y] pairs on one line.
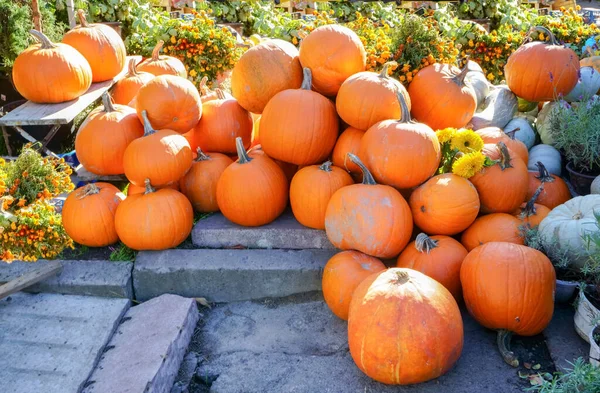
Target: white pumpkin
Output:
{"points": [[544, 122], [524, 131], [499, 107], [548, 156], [595, 189], [564, 228], [587, 86], [476, 78]]}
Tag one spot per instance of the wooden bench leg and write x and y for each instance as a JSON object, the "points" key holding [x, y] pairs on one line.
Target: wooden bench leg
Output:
{"points": [[50, 135], [31, 139], [5, 136]]}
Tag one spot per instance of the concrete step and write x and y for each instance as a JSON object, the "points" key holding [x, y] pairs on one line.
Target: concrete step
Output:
{"points": [[286, 232], [228, 275], [51, 343]]}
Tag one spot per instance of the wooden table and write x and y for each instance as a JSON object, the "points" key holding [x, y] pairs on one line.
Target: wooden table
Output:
{"points": [[55, 115]]}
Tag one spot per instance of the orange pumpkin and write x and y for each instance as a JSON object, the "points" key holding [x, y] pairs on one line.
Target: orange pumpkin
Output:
{"points": [[333, 53], [495, 227], [299, 126], [367, 98], [510, 288], [502, 187], [348, 142], [88, 214], [207, 94], [171, 102], [162, 156], [288, 169], [400, 153], [541, 71], [555, 192], [255, 139], [531, 213], [368, 217], [132, 189], [342, 274], [439, 257], [71, 74], [126, 88], [104, 135], [155, 220], [446, 204], [493, 135], [263, 71], [101, 46], [223, 120], [200, 183], [312, 188], [404, 327], [253, 191], [161, 64], [440, 98]]}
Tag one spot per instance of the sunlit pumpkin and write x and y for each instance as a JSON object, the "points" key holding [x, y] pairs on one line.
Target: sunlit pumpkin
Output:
{"points": [[493, 135], [348, 142], [532, 213], [495, 227], [555, 192], [126, 88], [159, 64]]}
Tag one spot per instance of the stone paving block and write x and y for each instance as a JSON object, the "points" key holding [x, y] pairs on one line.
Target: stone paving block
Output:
{"points": [[564, 343], [91, 278], [147, 349], [286, 232], [228, 275], [51, 343]]}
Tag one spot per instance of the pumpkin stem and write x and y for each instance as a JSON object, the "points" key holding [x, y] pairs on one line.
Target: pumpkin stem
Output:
{"points": [[148, 130], [202, 87], [89, 189], [503, 342], [307, 79], [546, 31], [131, 71], [402, 277], [81, 17], [529, 209], [424, 243], [460, 78], [45, 41], [504, 161], [405, 113], [220, 94], [544, 176], [201, 155], [107, 102], [149, 188], [512, 133], [385, 69], [326, 166], [156, 50], [243, 157], [367, 176]]}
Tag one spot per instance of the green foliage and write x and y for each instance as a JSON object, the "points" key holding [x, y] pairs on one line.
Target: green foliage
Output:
{"points": [[122, 253], [582, 378]]}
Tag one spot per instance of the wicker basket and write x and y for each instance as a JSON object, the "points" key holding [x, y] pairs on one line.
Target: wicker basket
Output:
{"points": [[564, 3]]}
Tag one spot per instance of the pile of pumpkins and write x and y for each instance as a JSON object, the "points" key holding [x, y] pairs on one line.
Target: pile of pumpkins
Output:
{"points": [[247, 154]]}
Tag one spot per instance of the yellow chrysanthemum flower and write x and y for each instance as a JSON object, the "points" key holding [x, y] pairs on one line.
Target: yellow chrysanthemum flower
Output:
{"points": [[468, 165], [467, 141], [445, 135]]}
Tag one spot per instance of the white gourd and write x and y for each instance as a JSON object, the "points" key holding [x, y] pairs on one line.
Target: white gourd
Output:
{"points": [[548, 156], [587, 85], [524, 131]]}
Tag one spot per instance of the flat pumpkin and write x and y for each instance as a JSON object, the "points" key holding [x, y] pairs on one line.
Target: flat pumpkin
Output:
{"points": [[159, 64], [495, 227]]}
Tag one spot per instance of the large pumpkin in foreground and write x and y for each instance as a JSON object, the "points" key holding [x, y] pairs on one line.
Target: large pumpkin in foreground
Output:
{"points": [[509, 288], [540, 71], [404, 327]]}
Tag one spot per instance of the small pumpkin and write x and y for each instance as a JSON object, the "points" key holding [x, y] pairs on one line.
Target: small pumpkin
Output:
{"points": [[495, 227], [342, 274], [438, 257], [555, 192], [348, 142], [88, 214], [71, 74], [101, 46], [155, 220], [366, 98], [162, 156], [299, 126], [548, 156], [498, 108], [171, 102], [104, 135], [502, 187], [126, 88], [199, 185], [511, 294], [253, 191], [401, 153], [161, 64], [368, 217], [544, 122], [333, 53], [263, 71], [207, 94], [587, 85], [440, 98], [521, 130], [132, 189], [402, 353], [532, 213], [446, 204], [541, 71], [493, 135]]}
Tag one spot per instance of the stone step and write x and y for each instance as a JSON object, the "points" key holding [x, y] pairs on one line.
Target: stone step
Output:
{"points": [[51, 343], [90, 278], [228, 275], [147, 349], [286, 232]]}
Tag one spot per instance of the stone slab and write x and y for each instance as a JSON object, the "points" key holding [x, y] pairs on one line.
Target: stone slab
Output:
{"points": [[228, 275], [90, 278], [286, 232], [147, 349], [51, 343], [564, 343]]}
